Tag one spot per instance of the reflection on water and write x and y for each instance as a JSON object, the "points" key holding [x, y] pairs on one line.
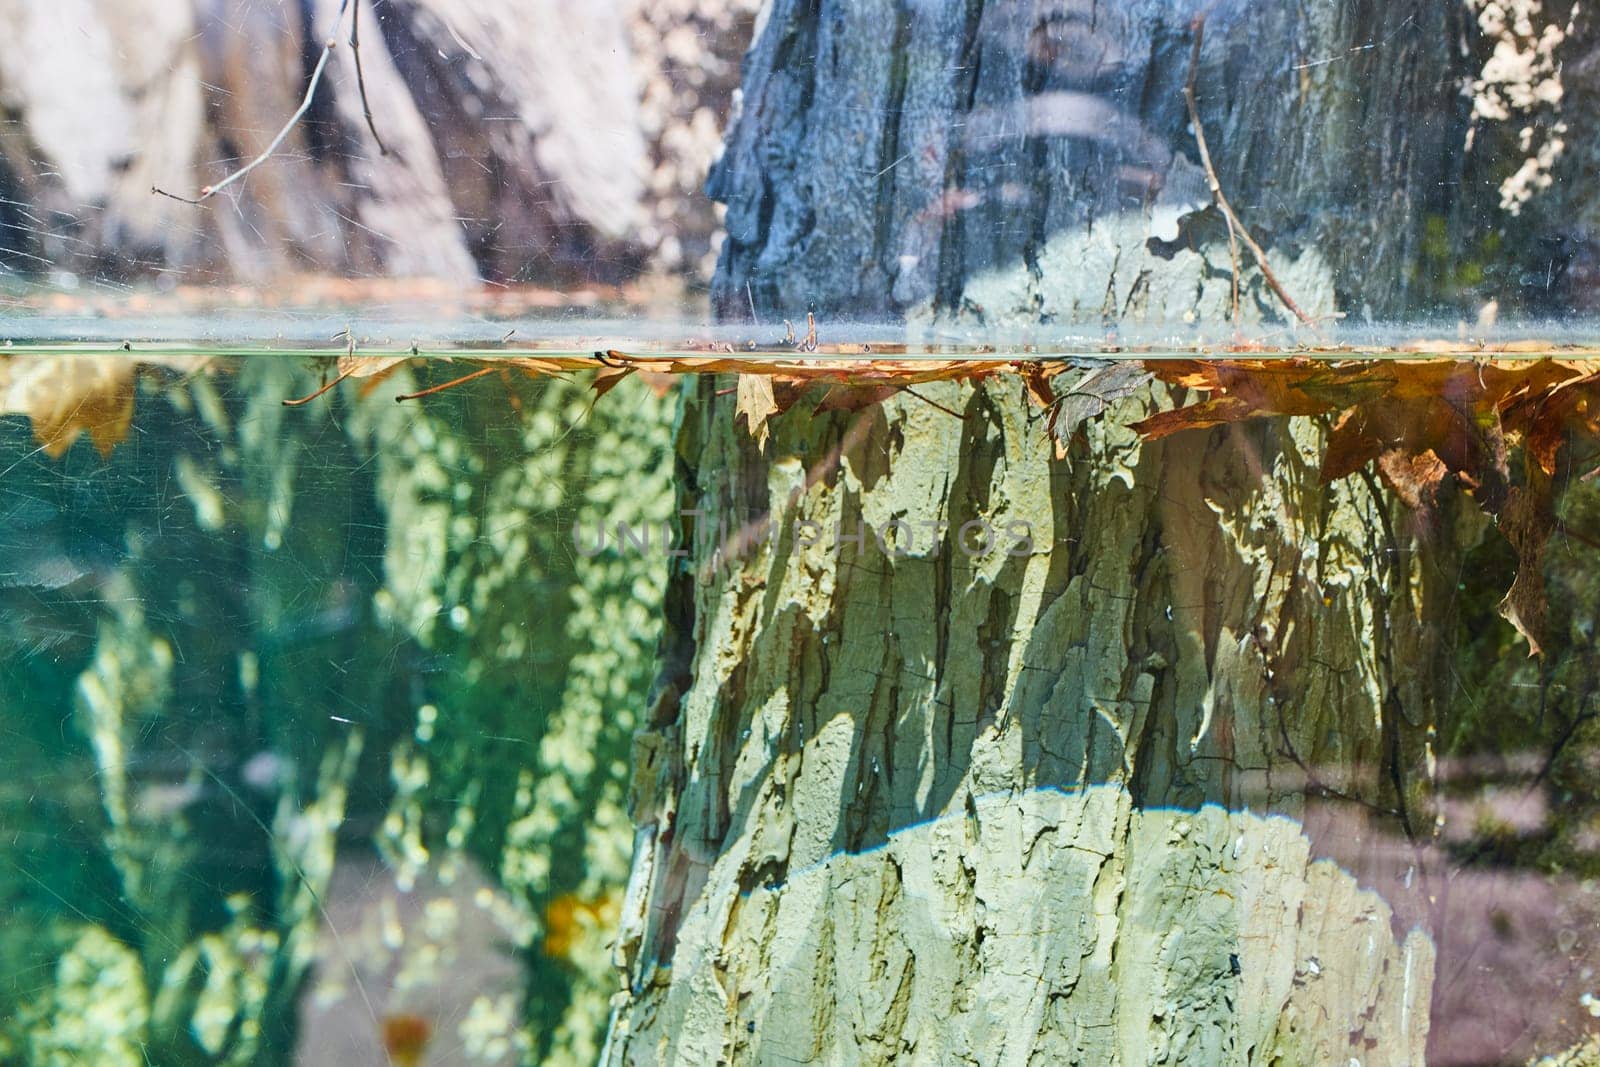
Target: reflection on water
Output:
{"points": [[317, 740]]}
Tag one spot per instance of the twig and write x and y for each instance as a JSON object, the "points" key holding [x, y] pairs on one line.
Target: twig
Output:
{"points": [[1582, 538], [1314, 785], [349, 351], [302, 401], [933, 403], [447, 385], [1228, 214], [361, 78], [208, 191]]}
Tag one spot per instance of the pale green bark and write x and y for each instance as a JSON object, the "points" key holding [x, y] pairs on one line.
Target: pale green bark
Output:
{"points": [[1100, 802], [1011, 809]]}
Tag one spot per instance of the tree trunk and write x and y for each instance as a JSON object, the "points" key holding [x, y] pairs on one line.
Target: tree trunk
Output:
{"points": [[1026, 805], [1147, 780], [1032, 162]]}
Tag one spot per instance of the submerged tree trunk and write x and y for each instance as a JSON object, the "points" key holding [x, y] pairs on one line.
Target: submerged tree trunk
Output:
{"points": [[903, 798], [1023, 804]]}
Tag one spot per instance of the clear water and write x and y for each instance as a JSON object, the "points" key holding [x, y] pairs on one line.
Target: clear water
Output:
{"points": [[316, 723], [319, 729]]}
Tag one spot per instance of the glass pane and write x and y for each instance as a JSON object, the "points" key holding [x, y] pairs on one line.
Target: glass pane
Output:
{"points": [[733, 531]]}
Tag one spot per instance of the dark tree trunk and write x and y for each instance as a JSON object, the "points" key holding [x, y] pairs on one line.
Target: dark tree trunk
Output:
{"points": [[1036, 158]]}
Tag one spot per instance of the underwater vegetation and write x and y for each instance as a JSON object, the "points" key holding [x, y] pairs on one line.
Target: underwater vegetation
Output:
{"points": [[315, 718]]}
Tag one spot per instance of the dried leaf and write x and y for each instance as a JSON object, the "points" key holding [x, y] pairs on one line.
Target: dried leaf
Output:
{"points": [[757, 405], [609, 378], [65, 396], [354, 366], [1412, 429], [1037, 378], [372, 369], [1415, 479], [1343, 387], [1239, 389], [1418, 421], [1091, 395], [1217, 412], [660, 384]]}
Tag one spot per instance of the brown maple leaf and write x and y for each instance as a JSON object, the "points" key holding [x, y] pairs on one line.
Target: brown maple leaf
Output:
{"points": [[1418, 421], [64, 396]]}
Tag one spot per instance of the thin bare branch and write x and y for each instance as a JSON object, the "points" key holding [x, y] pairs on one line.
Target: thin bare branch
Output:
{"points": [[207, 192], [326, 386], [361, 77], [354, 7], [448, 385], [1228, 214]]}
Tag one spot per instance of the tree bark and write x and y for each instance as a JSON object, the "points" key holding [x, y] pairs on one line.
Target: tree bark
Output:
{"points": [[1026, 806], [1153, 787], [1033, 162]]}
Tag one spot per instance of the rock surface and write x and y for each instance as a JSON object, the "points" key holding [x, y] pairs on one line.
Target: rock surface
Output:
{"points": [[543, 142]]}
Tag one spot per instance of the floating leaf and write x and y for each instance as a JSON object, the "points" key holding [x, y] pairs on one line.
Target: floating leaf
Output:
{"points": [[372, 369], [1417, 421], [1091, 395], [757, 405], [65, 396], [1343, 387], [1415, 479], [1238, 390], [354, 366]]}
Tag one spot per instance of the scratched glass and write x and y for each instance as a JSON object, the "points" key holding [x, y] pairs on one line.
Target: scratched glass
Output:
{"points": [[773, 531]]}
